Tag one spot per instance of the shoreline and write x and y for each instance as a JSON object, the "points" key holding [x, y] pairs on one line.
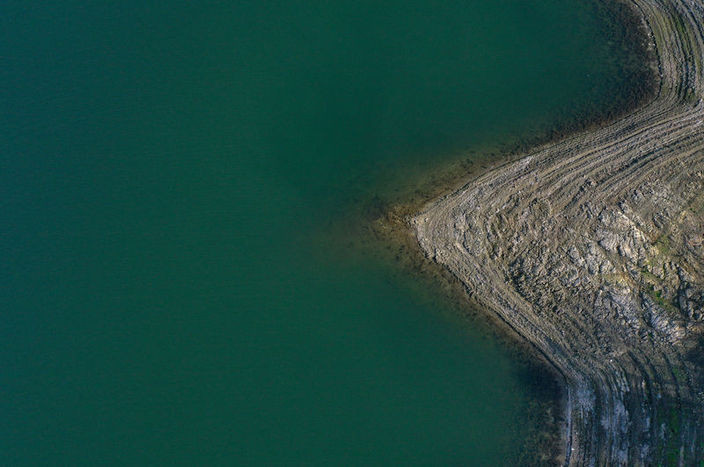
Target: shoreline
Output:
{"points": [[389, 226], [473, 260]]}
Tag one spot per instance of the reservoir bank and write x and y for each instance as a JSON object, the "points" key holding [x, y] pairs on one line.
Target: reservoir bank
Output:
{"points": [[174, 179]]}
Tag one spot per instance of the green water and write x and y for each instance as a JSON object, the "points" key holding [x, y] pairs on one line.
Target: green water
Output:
{"points": [[169, 176]]}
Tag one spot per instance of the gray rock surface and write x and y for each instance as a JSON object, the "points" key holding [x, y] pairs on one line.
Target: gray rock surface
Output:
{"points": [[592, 249]]}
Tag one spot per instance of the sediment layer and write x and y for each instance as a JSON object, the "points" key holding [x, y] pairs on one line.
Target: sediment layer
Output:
{"points": [[592, 249]]}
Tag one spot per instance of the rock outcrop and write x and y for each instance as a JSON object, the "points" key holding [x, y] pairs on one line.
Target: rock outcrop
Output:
{"points": [[592, 249]]}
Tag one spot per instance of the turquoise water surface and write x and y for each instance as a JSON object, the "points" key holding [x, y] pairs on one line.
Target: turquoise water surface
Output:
{"points": [[167, 173]]}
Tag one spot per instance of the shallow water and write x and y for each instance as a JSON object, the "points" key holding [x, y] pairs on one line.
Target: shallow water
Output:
{"points": [[168, 177]]}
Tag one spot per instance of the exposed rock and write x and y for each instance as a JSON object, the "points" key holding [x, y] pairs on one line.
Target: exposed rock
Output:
{"points": [[592, 249]]}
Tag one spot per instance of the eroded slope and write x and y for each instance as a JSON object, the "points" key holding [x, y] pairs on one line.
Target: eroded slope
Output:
{"points": [[592, 249]]}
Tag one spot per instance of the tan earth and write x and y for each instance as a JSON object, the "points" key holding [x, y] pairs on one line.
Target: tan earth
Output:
{"points": [[591, 249]]}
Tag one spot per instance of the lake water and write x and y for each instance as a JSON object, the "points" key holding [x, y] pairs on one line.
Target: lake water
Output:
{"points": [[170, 173]]}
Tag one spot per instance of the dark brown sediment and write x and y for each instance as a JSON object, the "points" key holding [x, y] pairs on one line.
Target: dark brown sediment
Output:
{"points": [[590, 249]]}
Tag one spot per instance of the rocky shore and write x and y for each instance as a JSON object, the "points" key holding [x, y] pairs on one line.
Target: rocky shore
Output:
{"points": [[592, 249]]}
